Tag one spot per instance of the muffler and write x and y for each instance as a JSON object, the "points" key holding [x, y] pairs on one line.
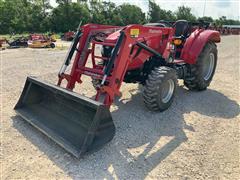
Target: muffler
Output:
{"points": [[75, 122]]}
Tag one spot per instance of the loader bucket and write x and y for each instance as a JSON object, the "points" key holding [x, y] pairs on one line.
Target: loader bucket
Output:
{"points": [[75, 122]]}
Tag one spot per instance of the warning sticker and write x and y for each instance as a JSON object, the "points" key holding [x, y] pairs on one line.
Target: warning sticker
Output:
{"points": [[134, 32]]}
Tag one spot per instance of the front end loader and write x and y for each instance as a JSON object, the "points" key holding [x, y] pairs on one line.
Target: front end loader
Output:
{"points": [[152, 55]]}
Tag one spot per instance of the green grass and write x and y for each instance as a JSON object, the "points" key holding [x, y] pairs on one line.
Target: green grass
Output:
{"points": [[58, 48], [8, 36]]}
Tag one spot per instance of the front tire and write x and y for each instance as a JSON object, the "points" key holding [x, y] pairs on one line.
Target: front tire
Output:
{"points": [[201, 73], [160, 88]]}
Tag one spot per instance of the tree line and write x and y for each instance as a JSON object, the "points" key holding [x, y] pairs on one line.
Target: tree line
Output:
{"points": [[18, 16]]}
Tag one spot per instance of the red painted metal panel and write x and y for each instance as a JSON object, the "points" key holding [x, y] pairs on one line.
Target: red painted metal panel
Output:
{"points": [[195, 43]]}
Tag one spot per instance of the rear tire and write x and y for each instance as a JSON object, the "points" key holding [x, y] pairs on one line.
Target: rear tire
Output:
{"points": [[201, 73], [160, 88]]}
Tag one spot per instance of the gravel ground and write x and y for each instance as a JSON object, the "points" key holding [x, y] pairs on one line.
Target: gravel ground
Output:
{"points": [[197, 138]]}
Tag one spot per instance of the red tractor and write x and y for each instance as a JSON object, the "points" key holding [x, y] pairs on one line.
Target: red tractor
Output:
{"points": [[154, 55]]}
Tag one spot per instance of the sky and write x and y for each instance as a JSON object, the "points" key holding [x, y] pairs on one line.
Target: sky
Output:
{"points": [[213, 8]]}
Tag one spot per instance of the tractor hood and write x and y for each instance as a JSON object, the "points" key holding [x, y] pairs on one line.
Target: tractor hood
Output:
{"points": [[112, 38]]}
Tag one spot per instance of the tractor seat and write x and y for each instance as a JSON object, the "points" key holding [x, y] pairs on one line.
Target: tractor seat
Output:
{"points": [[181, 28]]}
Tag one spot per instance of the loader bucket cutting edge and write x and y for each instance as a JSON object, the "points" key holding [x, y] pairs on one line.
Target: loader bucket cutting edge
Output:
{"points": [[75, 122]]}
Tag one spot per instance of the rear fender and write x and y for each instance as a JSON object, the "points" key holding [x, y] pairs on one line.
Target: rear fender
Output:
{"points": [[195, 43]]}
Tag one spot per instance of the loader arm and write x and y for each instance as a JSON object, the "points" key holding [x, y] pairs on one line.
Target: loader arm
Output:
{"points": [[125, 51]]}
